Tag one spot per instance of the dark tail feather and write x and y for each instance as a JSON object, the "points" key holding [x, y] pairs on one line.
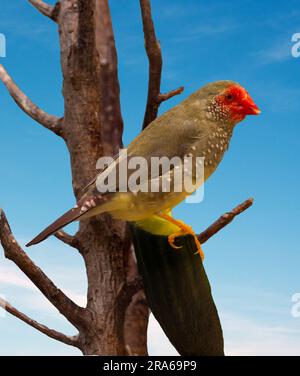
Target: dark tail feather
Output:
{"points": [[61, 222]]}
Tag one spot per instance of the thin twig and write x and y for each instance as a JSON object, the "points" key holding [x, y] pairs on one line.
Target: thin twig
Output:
{"points": [[68, 239], [224, 220], [46, 9], [13, 252], [155, 66], [50, 122], [69, 340], [170, 94]]}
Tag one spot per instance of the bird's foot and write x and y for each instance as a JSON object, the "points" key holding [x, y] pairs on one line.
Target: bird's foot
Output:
{"points": [[172, 237], [184, 230]]}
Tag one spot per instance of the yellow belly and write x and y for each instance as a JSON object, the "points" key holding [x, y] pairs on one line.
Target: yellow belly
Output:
{"points": [[140, 206], [130, 207]]}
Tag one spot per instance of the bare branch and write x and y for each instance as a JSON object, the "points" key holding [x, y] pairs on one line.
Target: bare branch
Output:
{"points": [[155, 66], [224, 220], [68, 239], [13, 252], [46, 9], [170, 94], [50, 122], [155, 63], [72, 341]]}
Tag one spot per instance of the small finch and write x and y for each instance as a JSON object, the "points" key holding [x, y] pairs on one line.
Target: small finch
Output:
{"points": [[200, 126]]}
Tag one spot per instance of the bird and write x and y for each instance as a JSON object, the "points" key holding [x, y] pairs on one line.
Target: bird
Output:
{"points": [[200, 126]]}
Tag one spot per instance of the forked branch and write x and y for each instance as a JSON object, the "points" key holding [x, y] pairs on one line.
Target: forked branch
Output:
{"points": [[69, 340], [15, 253], [50, 122], [46, 9], [68, 239], [164, 97], [155, 98]]}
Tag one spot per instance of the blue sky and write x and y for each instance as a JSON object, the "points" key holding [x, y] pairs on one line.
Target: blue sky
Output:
{"points": [[253, 265]]}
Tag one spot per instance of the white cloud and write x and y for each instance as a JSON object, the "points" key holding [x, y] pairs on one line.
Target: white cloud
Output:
{"points": [[247, 336], [11, 276], [243, 334], [173, 11], [79, 299], [158, 342], [205, 30], [278, 53]]}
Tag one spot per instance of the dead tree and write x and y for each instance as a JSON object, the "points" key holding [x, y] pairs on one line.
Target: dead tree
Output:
{"points": [[114, 322]]}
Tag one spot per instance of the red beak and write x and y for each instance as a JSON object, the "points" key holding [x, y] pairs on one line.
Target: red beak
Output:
{"points": [[249, 107]]}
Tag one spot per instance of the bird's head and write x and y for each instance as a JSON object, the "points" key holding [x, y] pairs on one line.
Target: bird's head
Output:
{"points": [[230, 102]]}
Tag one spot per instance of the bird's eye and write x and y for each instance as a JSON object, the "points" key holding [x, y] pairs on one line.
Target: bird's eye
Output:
{"points": [[229, 97]]}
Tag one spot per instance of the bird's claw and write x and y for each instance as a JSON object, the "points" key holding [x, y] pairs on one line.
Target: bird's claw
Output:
{"points": [[184, 230], [199, 248], [172, 238]]}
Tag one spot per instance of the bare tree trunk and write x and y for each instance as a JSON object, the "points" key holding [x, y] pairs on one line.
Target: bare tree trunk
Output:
{"points": [[92, 128]]}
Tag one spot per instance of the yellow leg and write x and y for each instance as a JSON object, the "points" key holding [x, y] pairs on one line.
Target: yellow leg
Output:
{"points": [[184, 229]]}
